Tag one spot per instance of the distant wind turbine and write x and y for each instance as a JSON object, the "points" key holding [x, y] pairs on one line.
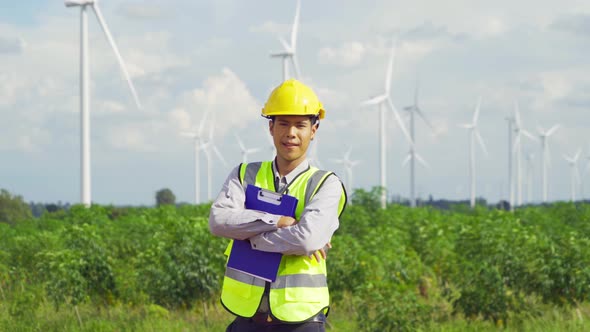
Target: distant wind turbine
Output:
{"points": [[517, 150], [207, 147], [198, 140], [85, 191], [473, 134], [546, 159], [313, 154], [348, 165], [510, 121], [243, 151], [289, 49], [575, 173], [412, 155], [384, 100]]}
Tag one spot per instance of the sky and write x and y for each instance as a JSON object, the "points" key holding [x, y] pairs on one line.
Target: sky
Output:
{"points": [[191, 57]]}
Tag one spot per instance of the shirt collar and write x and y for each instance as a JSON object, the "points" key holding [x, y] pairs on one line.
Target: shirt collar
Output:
{"points": [[289, 177]]}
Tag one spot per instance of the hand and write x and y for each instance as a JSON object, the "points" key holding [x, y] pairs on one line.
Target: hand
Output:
{"points": [[322, 253], [285, 221]]}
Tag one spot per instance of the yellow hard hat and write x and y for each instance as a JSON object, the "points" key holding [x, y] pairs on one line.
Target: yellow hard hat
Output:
{"points": [[293, 98]]}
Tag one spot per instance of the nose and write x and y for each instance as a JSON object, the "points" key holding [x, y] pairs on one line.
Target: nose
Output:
{"points": [[291, 131]]}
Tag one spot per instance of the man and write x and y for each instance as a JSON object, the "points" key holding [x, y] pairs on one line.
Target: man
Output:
{"points": [[298, 300]]}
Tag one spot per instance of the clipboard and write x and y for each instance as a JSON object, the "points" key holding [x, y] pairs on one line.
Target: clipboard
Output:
{"points": [[257, 263]]}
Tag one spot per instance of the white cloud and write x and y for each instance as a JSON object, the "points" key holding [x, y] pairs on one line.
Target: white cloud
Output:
{"points": [[347, 54], [228, 99]]}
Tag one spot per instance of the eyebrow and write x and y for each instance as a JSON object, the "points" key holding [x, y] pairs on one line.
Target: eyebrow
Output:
{"points": [[294, 123]]}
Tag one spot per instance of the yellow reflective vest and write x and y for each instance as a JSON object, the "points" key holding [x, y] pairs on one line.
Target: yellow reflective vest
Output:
{"points": [[301, 290]]}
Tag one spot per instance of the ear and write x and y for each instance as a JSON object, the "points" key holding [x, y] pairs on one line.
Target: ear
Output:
{"points": [[270, 127], [314, 128]]}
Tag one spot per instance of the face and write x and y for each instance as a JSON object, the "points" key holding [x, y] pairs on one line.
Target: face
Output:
{"points": [[291, 135]]}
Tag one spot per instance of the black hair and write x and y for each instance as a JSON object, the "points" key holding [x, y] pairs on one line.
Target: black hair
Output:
{"points": [[312, 118]]}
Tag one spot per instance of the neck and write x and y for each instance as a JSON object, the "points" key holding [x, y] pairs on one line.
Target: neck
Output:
{"points": [[286, 166]]}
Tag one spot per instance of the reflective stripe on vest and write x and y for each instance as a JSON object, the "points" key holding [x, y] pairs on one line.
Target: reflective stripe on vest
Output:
{"points": [[301, 289]]}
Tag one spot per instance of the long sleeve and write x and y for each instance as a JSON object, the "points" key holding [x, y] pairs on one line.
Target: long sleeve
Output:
{"points": [[229, 218], [314, 230]]}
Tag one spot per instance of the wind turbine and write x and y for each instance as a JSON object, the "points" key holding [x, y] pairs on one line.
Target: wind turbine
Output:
{"points": [[517, 150], [510, 121], [243, 151], [85, 183], [313, 154], [198, 139], [544, 135], [207, 147], [575, 175], [380, 100], [412, 155], [348, 165], [289, 49], [473, 134]]}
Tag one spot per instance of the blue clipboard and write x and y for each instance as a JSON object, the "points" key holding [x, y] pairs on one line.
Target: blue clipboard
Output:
{"points": [[261, 264]]}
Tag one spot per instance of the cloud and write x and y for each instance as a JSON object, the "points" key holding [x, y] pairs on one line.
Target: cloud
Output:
{"points": [[578, 24], [272, 28], [348, 54], [144, 11], [228, 99], [11, 45]]}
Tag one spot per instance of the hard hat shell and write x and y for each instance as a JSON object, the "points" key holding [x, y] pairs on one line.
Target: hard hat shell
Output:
{"points": [[293, 98]]}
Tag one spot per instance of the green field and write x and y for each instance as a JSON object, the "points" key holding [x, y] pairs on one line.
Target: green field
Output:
{"points": [[398, 269]]}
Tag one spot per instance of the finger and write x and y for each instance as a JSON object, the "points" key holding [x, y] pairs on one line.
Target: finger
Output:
{"points": [[323, 253]]}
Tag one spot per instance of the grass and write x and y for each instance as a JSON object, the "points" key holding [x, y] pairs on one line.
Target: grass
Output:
{"points": [[152, 318]]}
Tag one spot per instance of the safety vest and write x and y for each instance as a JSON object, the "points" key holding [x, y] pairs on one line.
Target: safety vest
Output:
{"points": [[300, 290]]}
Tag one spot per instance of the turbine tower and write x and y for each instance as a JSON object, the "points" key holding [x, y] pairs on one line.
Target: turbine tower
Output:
{"points": [[85, 183], [412, 155], [575, 175], [530, 167], [198, 140], [382, 101], [546, 159], [510, 121], [473, 134], [289, 49]]}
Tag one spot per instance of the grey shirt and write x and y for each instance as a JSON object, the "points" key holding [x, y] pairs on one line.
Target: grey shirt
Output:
{"points": [[319, 220]]}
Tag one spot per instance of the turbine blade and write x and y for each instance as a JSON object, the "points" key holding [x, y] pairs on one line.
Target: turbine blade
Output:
{"points": [[577, 156], [476, 114], [529, 135], [389, 72], [203, 122], [422, 161], [419, 112], [480, 140], [399, 121], [286, 47], [219, 155], [516, 115], [374, 100], [406, 160], [240, 143], [552, 130], [106, 31], [295, 27]]}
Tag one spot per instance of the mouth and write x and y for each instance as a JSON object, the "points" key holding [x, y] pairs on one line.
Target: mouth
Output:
{"points": [[290, 145]]}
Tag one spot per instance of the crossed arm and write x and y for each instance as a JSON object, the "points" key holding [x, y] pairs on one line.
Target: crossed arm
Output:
{"points": [[309, 236]]}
